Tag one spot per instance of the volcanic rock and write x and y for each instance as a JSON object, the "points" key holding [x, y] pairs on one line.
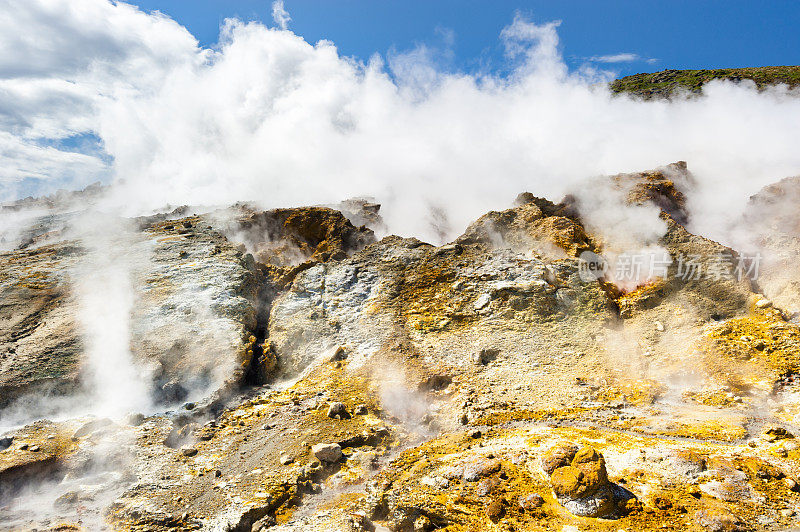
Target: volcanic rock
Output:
{"points": [[338, 411], [531, 502], [774, 433], [474, 358], [558, 456], [583, 487], [480, 468], [327, 452]]}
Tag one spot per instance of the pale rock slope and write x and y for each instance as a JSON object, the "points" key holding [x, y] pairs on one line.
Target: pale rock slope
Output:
{"points": [[344, 383]]}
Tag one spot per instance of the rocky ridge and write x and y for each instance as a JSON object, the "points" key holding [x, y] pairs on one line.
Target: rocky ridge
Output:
{"points": [[370, 385], [670, 83]]}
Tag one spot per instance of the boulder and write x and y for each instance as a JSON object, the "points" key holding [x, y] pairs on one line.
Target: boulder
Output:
{"points": [[558, 456], [582, 487], [531, 501], [495, 509], [338, 411], [188, 451], [90, 427], [481, 467], [774, 433], [327, 452]]}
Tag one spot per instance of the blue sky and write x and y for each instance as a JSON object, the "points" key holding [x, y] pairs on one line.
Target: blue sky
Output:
{"points": [[672, 34]]}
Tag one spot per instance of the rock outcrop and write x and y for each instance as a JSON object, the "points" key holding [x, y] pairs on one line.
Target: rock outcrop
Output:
{"points": [[39, 341], [199, 296], [196, 298], [580, 482], [309, 377], [675, 83], [769, 229]]}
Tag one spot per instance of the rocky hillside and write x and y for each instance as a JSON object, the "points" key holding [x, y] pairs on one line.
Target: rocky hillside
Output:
{"points": [[667, 83], [304, 375]]}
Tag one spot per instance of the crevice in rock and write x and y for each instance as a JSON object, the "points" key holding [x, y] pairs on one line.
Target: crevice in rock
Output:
{"points": [[263, 359], [284, 243], [23, 476]]}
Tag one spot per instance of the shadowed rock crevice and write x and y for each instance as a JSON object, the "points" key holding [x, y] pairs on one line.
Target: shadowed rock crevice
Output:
{"points": [[284, 243]]}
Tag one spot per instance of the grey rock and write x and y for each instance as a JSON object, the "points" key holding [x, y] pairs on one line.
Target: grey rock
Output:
{"points": [[480, 468], [597, 504], [188, 451], [763, 303], [482, 301], [338, 411], [90, 427], [135, 419], [327, 452]]}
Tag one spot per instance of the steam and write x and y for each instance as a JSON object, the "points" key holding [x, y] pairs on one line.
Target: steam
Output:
{"points": [[409, 407], [629, 233], [115, 93], [99, 473], [278, 121], [104, 289], [267, 117]]}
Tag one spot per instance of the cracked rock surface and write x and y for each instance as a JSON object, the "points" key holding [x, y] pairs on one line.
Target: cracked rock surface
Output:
{"points": [[306, 375]]}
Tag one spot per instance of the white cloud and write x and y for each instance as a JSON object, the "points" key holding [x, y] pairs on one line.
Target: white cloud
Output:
{"points": [[280, 15], [51, 38], [621, 58], [25, 160], [41, 107], [58, 62], [534, 48]]}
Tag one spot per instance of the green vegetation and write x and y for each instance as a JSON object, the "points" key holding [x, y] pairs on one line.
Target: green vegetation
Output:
{"points": [[668, 82]]}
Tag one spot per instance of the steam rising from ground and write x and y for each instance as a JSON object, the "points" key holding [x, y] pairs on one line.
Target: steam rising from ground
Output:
{"points": [[104, 291], [99, 472], [626, 230], [267, 117], [106, 90], [105, 294]]}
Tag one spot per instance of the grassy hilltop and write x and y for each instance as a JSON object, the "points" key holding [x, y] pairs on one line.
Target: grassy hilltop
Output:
{"points": [[668, 82]]}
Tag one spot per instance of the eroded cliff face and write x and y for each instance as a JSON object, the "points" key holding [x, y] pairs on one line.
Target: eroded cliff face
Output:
{"points": [[40, 343], [343, 383], [194, 310], [770, 225]]}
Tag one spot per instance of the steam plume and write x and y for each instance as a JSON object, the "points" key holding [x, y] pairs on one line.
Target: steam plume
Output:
{"points": [[268, 117]]}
